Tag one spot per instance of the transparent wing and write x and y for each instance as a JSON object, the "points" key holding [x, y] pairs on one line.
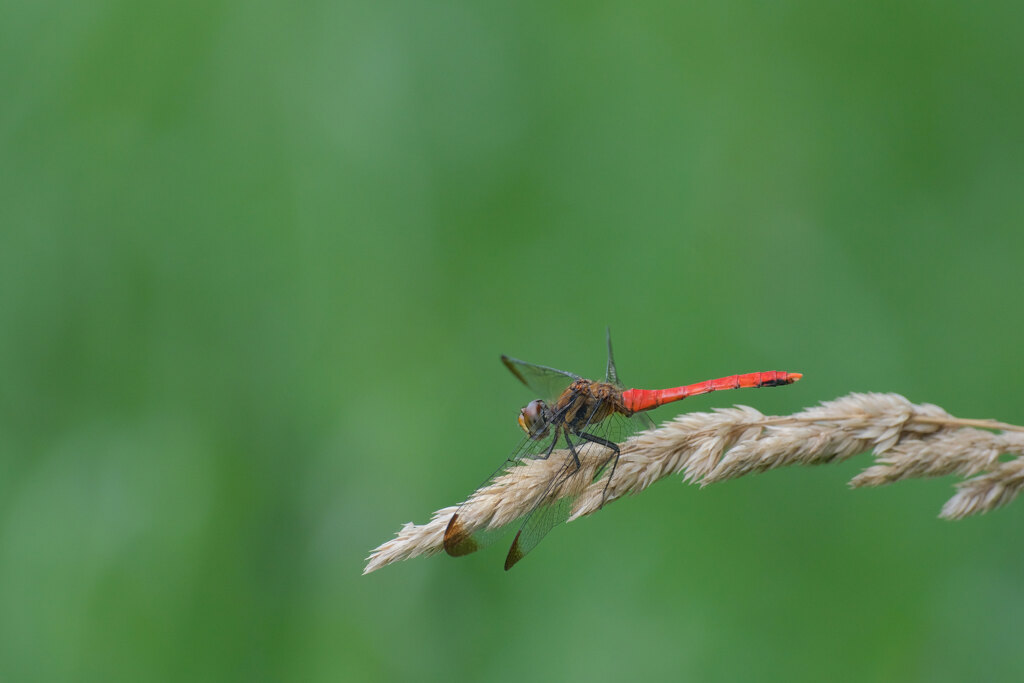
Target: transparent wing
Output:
{"points": [[548, 514], [598, 463], [569, 481], [642, 422], [473, 526], [611, 375], [546, 383]]}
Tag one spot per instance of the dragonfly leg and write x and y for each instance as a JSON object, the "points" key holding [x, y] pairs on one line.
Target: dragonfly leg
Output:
{"points": [[614, 458], [551, 447], [572, 449]]}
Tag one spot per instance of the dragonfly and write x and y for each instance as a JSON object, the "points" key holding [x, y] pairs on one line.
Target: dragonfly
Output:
{"points": [[576, 412]]}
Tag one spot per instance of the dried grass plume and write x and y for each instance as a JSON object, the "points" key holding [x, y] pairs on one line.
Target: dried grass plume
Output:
{"points": [[908, 441]]}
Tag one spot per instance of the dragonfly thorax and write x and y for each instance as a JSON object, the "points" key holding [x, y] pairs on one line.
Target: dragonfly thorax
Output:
{"points": [[586, 403], [583, 403]]}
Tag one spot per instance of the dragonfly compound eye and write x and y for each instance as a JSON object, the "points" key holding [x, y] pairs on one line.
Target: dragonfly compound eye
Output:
{"points": [[535, 418]]}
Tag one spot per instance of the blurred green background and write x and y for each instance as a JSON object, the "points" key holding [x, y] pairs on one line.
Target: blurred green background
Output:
{"points": [[258, 262]]}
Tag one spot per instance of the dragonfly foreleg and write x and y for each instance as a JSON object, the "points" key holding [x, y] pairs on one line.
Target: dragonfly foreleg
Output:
{"points": [[551, 446]]}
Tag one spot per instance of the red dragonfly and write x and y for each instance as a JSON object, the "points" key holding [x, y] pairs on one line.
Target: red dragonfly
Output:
{"points": [[578, 411]]}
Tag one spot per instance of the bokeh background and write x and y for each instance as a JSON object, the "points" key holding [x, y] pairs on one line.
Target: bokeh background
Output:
{"points": [[258, 262]]}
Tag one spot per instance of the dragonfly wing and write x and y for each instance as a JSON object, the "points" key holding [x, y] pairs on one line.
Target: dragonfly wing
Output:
{"points": [[546, 383], [469, 530], [557, 503], [473, 527], [542, 520], [611, 374], [642, 422]]}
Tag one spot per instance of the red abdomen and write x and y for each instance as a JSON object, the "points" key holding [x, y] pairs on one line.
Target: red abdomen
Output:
{"points": [[636, 400]]}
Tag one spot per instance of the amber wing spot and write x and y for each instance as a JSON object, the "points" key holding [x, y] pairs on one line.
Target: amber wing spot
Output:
{"points": [[515, 553], [457, 541]]}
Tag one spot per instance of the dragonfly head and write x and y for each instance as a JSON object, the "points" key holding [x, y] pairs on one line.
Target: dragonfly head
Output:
{"points": [[535, 419]]}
